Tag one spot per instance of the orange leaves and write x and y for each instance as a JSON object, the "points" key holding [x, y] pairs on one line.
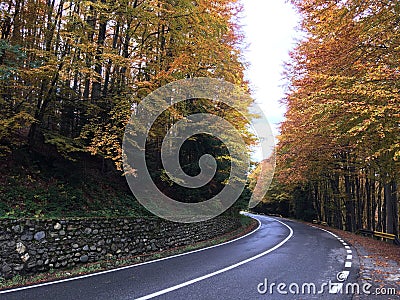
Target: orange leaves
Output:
{"points": [[344, 86]]}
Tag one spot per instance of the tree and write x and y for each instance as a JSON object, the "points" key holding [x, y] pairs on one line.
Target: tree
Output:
{"points": [[342, 134]]}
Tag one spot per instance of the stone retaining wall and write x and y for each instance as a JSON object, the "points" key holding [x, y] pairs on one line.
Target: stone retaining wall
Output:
{"points": [[32, 246]]}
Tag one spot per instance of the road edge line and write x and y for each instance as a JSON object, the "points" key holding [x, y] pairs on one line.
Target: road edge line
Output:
{"points": [[127, 267], [170, 289]]}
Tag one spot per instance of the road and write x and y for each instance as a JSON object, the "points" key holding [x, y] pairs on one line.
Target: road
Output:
{"points": [[282, 254]]}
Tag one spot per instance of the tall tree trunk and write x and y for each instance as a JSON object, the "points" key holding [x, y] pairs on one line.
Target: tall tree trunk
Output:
{"points": [[369, 202], [96, 86], [334, 181], [390, 193], [374, 204], [91, 21], [350, 226], [380, 226], [42, 105]]}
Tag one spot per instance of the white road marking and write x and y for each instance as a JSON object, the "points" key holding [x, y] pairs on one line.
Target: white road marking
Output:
{"points": [[327, 231], [126, 267], [337, 287], [173, 288]]}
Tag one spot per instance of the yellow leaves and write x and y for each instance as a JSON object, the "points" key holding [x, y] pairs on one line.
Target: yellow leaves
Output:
{"points": [[344, 91], [396, 156], [97, 5], [84, 56], [10, 125]]}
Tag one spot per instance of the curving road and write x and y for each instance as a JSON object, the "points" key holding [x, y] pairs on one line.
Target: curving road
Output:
{"points": [[282, 259]]}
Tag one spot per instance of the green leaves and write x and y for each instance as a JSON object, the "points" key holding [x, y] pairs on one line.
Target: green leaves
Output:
{"points": [[11, 57]]}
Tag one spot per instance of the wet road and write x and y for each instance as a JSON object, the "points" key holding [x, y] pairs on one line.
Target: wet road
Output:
{"points": [[283, 259]]}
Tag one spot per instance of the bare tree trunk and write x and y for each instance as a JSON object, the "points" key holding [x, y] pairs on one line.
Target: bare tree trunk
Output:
{"points": [[349, 204], [369, 202], [374, 204], [392, 219], [96, 86]]}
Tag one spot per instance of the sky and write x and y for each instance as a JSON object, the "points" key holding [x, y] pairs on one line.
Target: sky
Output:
{"points": [[269, 28]]}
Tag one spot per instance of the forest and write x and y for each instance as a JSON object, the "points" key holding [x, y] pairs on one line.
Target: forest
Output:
{"points": [[70, 74], [339, 148]]}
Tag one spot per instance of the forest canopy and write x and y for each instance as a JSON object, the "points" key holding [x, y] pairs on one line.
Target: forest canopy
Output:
{"points": [[71, 73], [339, 149]]}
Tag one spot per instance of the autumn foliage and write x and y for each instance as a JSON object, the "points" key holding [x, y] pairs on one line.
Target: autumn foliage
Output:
{"points": [[73, 71], [340, 142]]}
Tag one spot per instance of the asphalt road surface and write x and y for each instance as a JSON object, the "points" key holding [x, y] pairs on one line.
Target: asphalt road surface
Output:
{"points": [[282, 259]]}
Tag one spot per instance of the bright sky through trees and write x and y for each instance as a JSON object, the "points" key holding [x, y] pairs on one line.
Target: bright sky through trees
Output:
{"points": [[269, 27]]}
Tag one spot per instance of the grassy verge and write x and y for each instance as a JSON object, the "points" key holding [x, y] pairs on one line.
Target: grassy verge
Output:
{"points": [[247, 225]]}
